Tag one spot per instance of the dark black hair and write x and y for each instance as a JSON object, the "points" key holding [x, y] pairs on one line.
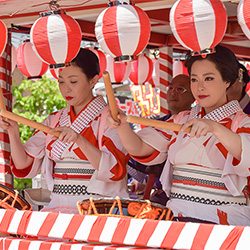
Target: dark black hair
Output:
{"points": [[245, 78], [225, 62], [88, 62]]}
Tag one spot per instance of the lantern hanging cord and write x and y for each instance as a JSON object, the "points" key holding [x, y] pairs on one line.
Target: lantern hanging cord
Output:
{"points": [[32, 6], [76, 5], [50, 4]]}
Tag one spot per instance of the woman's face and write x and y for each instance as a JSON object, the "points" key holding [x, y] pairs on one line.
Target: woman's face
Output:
{"points": [[207, 85], [75, 87]]}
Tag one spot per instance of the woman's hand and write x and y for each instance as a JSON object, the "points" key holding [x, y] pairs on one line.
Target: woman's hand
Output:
{"points": [[199, 127], [67, 134], [114, 124], [8, 124]]}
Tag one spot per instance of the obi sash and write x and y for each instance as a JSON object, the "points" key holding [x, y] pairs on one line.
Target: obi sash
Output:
{"points": [[202, 185], [71, 177]]}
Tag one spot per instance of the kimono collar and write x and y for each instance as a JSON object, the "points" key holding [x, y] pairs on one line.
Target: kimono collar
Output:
{"points": [[218, 114]]}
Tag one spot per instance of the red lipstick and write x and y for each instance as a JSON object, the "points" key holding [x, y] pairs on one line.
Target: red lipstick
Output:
{"points": [[202, 96]]}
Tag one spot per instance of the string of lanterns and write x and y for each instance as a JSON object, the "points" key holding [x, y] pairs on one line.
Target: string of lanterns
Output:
{"points": [[123, 30]]}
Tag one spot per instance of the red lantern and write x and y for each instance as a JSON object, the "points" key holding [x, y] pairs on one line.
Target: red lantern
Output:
{"points": [[123, 31], [244, 17], [118, 72], [54, 73], [198, 25], [29, 63], [102, 59], [179, 68], [4, 35], [56, 38], [141, 69], [155, 79]]}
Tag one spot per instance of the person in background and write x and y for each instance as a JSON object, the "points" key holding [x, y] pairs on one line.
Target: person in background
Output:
{"points": [[238, 90], [179, 98], [82, 162], [205, 175]]}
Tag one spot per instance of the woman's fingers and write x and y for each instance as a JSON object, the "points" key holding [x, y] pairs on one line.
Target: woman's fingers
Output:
{"points": [[199, 127], [66, 134], [186, 125]]}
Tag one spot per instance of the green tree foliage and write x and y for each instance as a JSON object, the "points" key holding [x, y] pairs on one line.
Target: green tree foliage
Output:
{"points": [[35, 101]]}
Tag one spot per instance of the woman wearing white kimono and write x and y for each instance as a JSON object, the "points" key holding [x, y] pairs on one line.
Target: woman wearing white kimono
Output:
{"points": [[205, 175], [88, 158]]}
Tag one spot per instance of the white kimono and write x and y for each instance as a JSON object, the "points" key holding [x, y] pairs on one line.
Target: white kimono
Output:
{"points": [[68, 173], [202, 179]]}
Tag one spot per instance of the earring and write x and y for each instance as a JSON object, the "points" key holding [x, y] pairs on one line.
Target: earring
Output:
{"points": [[241, 75]]}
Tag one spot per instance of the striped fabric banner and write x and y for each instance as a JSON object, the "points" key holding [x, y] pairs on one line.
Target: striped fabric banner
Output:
{"points": [[166, 72], [6, 177], [123, 231], [31, 243]]}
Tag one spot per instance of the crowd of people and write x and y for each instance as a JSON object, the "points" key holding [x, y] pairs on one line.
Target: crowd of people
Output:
{"points": [[204, 172]]}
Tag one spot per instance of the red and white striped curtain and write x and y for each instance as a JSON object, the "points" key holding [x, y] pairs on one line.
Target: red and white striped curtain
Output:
{"points": [[6, 177], [166, 72]]}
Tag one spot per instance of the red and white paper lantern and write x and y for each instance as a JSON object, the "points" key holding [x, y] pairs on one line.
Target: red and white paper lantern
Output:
{"points": [[141, 69], [119, 72], [123, 31], [102, 59], [243, 15], [4, 36], [56, 38], [29, 63], [155, 79], [179, 68], [198, 25], [55, 73]]}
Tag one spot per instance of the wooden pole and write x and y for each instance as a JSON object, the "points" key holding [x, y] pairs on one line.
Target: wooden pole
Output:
{"points": [[28, 122], [2, 104], [110, 95], [156, 123]]}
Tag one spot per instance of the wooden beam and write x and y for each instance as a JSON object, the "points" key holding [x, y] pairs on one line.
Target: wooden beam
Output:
{"points": [[240, 52], [88, 28], [159, 16], [233, 28]]}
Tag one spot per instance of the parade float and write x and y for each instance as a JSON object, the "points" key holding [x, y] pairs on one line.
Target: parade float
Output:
{"points": [[169, 27]]}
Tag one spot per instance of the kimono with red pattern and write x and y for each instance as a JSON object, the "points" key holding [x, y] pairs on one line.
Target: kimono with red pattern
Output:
{"points": [[202, 179], [68, 173]]}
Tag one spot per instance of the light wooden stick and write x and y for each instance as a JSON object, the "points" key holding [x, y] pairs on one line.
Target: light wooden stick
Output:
{"points": [[156, 123], [110, 95], [28, 122], [2, 104]]}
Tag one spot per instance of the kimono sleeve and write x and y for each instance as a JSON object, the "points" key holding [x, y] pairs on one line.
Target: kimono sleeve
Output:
{"points": [[35, 148], [235, 171], [159, 140], [114, 157]]}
